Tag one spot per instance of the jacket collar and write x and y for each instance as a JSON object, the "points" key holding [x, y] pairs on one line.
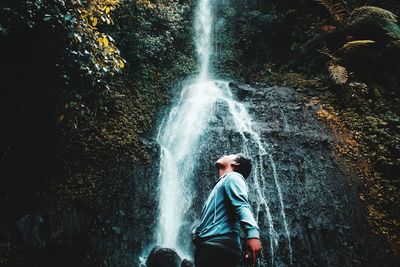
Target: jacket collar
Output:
{"points": [[220, 178]]}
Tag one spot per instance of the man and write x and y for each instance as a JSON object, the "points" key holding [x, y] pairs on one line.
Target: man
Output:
{"points": [[227, 209]]}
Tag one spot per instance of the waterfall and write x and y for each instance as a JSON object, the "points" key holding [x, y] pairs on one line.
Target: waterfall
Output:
{"points": [[203, 41], [179, 135], [179, 139]]}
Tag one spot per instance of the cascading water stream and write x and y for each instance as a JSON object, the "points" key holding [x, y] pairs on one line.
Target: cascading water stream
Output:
{"points": [[179, 136], [203, 40]]}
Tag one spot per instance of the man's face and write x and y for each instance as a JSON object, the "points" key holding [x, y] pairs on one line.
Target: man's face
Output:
{"points": [[225, 161]]}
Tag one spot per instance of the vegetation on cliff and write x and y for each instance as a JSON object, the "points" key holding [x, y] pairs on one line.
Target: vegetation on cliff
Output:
{"points": [[83, 81]]}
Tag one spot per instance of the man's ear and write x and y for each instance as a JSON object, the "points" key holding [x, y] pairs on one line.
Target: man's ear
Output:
{"points": [[235, 163]]}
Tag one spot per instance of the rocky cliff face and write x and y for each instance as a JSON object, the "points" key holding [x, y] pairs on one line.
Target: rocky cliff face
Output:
{"points": [[325, 219], [323, 213]]}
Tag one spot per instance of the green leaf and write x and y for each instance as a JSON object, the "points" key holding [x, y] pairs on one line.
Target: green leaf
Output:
{"points": [[47, 17], [68, 17]]}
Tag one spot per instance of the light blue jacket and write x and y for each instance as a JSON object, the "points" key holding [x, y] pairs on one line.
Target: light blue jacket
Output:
{"points": [[226, 211]]}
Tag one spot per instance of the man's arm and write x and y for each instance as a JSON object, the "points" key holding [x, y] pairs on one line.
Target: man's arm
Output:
{"points": [[237, 192]]}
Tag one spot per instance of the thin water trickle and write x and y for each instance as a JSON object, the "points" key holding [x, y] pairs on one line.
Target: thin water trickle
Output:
{"points": [[284, 120]]}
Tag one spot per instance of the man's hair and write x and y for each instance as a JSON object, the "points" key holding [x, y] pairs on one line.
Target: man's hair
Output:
{"points": [[244, 167]]}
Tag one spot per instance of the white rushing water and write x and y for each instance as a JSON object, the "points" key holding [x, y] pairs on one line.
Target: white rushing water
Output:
{"points": [[203, 36], [179, 136]]}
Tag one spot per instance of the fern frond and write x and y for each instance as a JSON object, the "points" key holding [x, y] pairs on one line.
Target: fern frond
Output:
{"points": [[328, 53], [338, 74], [363, 13], [393, 30], [356, 44], [337, 11]]}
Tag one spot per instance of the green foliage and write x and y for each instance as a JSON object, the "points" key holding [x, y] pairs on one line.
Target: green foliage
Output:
{"points": [[336, 9], [371, 13], [89, 49], [364, 17], [338, 73], [243, 32], [367, 21], [69, 111], [250, 28], [150, 31], [393, 30], [375, 18], [100, 47]]}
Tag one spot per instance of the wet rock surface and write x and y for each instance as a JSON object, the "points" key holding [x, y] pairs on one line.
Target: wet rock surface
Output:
{"points": [[166, 257], [163, 257], [326, 222]]}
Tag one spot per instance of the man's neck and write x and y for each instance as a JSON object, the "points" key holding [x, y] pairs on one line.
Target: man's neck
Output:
{"points": [[221, 172]]}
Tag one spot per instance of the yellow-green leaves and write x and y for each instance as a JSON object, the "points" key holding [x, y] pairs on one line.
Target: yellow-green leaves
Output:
{"points": [[103, 41], [338, 74], [355, 44], [148, 4], [105, 55], [93, 21]]}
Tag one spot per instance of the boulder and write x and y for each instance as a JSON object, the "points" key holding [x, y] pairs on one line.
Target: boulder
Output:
{"points": [[163, 257]]}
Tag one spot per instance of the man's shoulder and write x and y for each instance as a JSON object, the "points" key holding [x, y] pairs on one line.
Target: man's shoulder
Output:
{"points": [[235, 175], [235, 178]]}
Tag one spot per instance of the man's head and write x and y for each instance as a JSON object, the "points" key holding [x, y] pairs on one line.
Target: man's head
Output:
{"points": [[234, 162]]}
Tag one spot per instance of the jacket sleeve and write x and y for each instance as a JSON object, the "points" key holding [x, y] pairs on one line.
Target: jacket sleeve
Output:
{"points": [[237, 193]]}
